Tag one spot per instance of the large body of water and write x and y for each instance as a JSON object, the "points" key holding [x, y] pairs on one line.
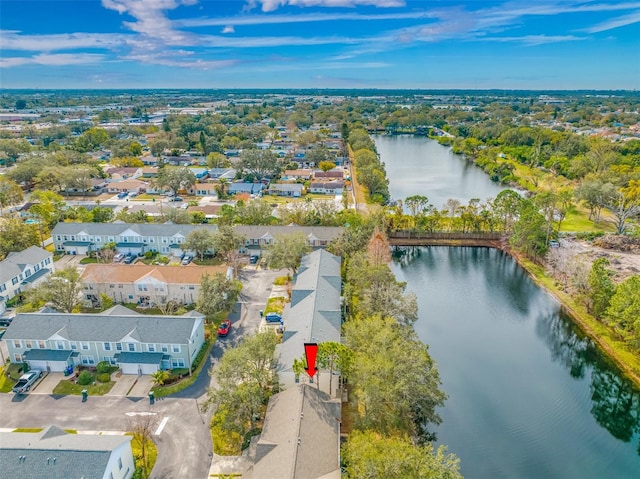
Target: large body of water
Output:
{"points": [[529, 396]]}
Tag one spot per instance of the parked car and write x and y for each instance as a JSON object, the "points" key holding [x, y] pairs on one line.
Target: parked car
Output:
{"points": [[224, 328], [186, 259], [5, 322], [273, 318], [118, 257], [122, 195], [253, 259], [176, 198], [129, 259], [26, 381]]}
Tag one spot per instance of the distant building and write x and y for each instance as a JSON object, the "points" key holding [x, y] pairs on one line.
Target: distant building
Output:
{"points": [[54, 453]]}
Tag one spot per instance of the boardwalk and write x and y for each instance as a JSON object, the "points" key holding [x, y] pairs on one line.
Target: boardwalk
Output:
{"points": [[414, 238]]}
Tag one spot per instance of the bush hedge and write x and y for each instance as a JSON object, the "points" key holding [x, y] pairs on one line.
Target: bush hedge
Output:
{"points": [[85, 378], [104, 377]]}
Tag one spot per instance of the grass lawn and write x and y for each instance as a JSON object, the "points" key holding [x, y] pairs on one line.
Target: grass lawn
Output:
{"points": [[5, 383], [28, 429], [14, 371], [282, 280], [145, 197], [209, 262], [67, 387], [275, 305], [161, 391], [88, 260]]}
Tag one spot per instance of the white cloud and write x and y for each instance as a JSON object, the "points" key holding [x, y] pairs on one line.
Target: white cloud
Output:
{"points": [[58, 59], [14, 40], [228, 29], [532, 40], [617, 22], [271, 5]]}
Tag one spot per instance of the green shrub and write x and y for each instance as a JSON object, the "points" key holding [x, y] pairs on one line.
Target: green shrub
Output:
{"points": [[85, 378], [103, 367], [104, 377], [148, 255]]}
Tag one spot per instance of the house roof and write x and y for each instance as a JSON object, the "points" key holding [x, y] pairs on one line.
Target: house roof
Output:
{"points": [[129, 273], [115, 229], [327, 184], [102, 327], [205, 186], [314, 313], [327, 233], [329, 174], [125, 170], [47, 354], [130, 183], [15, 263], [76, 455], [286, 187], [300, 437], [304, 173], [139, 358]]}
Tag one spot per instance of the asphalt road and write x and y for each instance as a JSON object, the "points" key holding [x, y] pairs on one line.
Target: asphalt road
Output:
{"points": [[184, 444]]}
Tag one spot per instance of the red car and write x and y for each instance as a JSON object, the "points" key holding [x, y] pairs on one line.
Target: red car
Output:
{"points": [[224, 328]]}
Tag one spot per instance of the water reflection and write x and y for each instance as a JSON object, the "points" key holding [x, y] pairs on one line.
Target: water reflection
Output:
{"points": [[615, 403]]}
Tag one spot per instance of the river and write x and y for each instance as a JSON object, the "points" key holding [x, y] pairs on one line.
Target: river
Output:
{"points": [[529, 395]]}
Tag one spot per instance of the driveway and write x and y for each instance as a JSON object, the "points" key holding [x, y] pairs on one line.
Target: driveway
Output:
{"points": [[245, 319], [47, 383], [184, 441]]}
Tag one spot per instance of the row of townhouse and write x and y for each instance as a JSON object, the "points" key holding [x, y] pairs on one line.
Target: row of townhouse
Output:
{"points": [[168, 239], [138, 344], [146, 285], [19, 271]]}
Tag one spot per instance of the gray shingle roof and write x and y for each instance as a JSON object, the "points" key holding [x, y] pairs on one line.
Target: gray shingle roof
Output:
{"points": [[47, 354], [300, 438], [314, 314], [15, 263], [140, 358], [114, 229], [76, 455], [101, 327]]}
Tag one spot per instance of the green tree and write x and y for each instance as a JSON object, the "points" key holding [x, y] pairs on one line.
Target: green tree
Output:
{"points": [[326, 165], [175, 178], [101, 214], [369, 455], [260, 163], [287, 251], [160, 377], [199, 241], [17, 236], [624, 309], [61, 290], [601, 288], [529, 231], [335, 357], [395, 382], [227, 243], [217, 294], [217, 160], [10, 193], [416, 204]]}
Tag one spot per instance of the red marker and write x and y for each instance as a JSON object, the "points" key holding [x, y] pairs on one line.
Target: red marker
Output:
{"points": [[311, 352]]}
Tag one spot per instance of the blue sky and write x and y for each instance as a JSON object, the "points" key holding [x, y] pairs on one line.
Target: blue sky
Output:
{"points": [[533, 44]]}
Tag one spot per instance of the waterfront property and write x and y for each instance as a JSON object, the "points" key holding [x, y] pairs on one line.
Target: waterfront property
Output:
{"points": [[54, 453], [19, 271], [146, 285], [313, 315], [138, 344], [300, 437]]}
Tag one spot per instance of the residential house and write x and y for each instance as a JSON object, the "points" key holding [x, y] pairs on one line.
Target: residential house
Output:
{"points": [[260, 237], [144, 284], [179, 160], [149, 172], [204, 189], [210, 211], [249, 188], [123, 173], [226, 173], [328, 175], [200, 173], [19, 271], [326, 187], [129, 186], [314, 315], [294, 175], [286, 189], [300, 437], [137, 343], [54, 453]]}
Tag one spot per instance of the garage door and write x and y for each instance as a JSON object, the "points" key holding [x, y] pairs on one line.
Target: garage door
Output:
{"points": [[54, 366], [135, 368]]}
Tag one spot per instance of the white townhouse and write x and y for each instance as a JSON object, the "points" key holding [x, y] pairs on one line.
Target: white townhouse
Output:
{"points": [[138, 344], [19, 271], [167, 239]]}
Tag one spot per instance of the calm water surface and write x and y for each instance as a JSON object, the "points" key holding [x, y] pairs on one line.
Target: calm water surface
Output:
{"points": [[529, 397]]}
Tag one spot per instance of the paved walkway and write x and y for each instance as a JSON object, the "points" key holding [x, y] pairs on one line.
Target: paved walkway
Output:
{"points": [[122, 385], [47, 383], [141, 387]]}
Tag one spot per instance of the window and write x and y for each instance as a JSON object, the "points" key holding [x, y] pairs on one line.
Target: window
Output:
{"points": [[14, 280], [87, 360], [118, 346], [107, 346], [17, 343], [131, 347], [17, 357], [73, 345], [60, 344], [192, 287], [85, 345], [151, 348], [27, 273], [42, 344], [119, 463], [177, 363], [164, 348], [2, 288], [36, 268], [28, 344], [47, 261], [175, 348]]}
